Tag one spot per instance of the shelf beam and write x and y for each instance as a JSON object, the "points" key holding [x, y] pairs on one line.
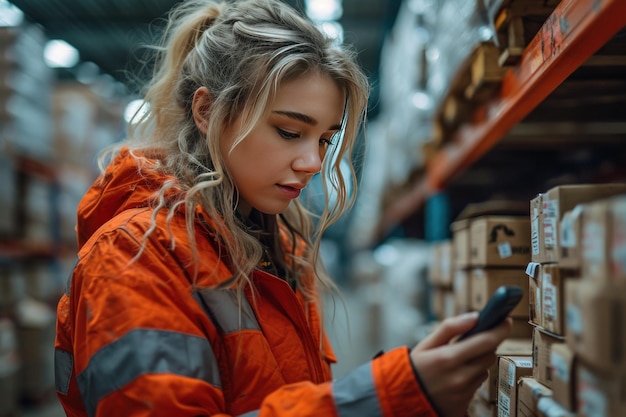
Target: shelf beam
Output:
{"points": [[569, 37], [575, 31]]}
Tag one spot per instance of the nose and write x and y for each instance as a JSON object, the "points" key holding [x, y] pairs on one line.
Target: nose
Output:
{"points": [[308, 159]]}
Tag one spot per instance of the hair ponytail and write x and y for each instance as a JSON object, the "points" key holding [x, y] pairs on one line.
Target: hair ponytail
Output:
{"points": [[186, 25]]}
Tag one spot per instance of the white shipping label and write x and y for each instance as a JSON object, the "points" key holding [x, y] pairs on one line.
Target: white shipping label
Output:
{"points": [[593, 241], [549, 231], [532, 268], [523, 363], [534, 235], [504, 250], [559, 367], [593, 402], [574, 320], [568, 234], [512, 375], [550, 208], [549, 298], [619, 258], [504, 405]]}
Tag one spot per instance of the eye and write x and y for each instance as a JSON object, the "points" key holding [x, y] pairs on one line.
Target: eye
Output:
{"points": [[286, 134], [326, 142]]}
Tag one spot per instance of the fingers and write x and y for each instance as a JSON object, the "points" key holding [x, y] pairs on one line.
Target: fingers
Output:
{"points": [[482, 343], [451, 384], [449, 329]]}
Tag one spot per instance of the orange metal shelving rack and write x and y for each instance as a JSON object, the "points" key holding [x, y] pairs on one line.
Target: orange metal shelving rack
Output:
{"points": [[575, 31]]}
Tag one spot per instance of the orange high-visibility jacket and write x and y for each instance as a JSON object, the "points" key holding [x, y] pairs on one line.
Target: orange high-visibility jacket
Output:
{"points": [[136, 338]]}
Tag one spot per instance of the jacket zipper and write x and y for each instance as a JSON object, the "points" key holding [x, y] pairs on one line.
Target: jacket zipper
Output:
{"points": [[302, 326]]}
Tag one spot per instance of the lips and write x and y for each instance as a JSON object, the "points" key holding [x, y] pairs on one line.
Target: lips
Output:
{"points": [[291, 191]]}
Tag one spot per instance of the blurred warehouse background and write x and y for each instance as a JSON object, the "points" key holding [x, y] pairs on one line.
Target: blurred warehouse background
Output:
{"points": [[493, 124]]}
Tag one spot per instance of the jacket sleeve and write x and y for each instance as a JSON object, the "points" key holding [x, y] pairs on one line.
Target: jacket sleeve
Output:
{"points": [[385, 386], [137, 348]]}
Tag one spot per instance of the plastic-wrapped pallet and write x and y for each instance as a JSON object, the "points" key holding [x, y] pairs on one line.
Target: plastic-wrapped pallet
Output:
{"points": [[461, 27], [25, 92]]}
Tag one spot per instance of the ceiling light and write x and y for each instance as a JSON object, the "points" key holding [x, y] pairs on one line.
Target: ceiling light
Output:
{"points": [[60, 54], [421, 100], [321, 10], [10, 15]]}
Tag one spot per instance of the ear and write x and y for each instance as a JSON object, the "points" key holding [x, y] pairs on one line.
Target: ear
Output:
{"points": [[200, 108]]}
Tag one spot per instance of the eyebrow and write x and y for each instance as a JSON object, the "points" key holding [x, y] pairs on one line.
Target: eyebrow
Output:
{"points": [[303, 118]]}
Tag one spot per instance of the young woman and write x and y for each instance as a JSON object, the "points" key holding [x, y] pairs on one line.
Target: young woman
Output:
{"points": [[196, 289]]}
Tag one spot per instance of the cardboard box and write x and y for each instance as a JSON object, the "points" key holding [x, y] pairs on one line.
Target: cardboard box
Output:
{"points": [[618, 239], [434, 276], [529, 392], [604, 240], [462, 290], [441, 271], [542, 345], [481, 408], [521, 328], [536, 232], [569, 255], [563, 361], [533, 270], [500, 241], [599, 395], [556, 202], [549, 407], [551, 291], [546, 296], [488, 391], [460, 243], [596, 235], [484, 282], [511, 368], [444, 303], [596, 320]]}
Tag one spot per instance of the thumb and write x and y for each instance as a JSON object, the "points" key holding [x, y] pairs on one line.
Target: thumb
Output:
{"points": [[448, 329]]}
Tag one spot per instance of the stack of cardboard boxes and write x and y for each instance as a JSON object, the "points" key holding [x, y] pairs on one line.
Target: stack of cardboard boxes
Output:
{"points": [[573, 305], [574, 360], [443, 300], [499, 247], [490, 247]]}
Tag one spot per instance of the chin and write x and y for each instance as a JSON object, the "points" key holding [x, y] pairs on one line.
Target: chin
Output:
{"points": [[272, 210]]}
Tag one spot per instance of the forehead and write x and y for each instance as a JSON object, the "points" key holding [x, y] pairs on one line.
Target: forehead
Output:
{"points": [[313, 94]]}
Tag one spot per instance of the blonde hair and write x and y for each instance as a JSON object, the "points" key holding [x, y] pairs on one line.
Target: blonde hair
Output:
{"points": [[242, 51]]}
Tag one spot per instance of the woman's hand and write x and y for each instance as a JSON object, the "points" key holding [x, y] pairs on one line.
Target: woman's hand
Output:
{"points": [[452, 372]]}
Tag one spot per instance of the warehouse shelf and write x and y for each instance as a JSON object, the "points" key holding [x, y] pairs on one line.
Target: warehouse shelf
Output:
{"points": [[36, 167], [11, 251], [570, 36]]}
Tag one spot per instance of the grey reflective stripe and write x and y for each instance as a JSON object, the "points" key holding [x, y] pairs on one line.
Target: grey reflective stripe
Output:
{"points": [[146, 351], [250, 414], [63, 366], [222, 307], [68, 283], [355, 394]]}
